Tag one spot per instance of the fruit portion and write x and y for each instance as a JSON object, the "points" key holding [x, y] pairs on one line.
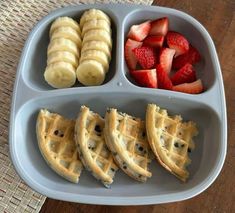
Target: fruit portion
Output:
{"points": [[192, 88], [186, 74], [145, 56], [192, 57], [159, 27], [146, 78], [128, 53], [139, 32], [177, 42], [155, 46]]}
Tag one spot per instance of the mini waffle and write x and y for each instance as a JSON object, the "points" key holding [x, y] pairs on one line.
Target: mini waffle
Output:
{"points": [[170, 140], [126, 138], [92, 148], [55, 136]]}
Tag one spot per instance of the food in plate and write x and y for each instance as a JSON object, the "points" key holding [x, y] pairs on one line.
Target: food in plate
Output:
{"points": [[171, 140], [89, 137], [55, 136], [151, 45], [126, 138]]}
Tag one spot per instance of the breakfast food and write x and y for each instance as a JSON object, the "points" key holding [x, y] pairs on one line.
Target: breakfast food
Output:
{"points": [[63, 53], [55, 136], [125, 136], [92, 149], [96, 47], [171, 140], [146, 50]]}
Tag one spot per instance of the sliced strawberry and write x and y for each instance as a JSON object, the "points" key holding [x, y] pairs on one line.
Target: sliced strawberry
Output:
{"points": [[165, 59], [177, 42], [129, 55], [192, 57], [163, 79], [159, 26], [139, 32], [154, 41], [146, 56], [146, 78], [185, 74], [191, 88]]}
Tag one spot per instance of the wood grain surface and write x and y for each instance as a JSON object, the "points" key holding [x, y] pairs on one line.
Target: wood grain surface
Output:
{"points": [[218, 17]]}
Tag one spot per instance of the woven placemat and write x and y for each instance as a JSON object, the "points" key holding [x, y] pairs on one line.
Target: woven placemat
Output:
{"points": [[17, 18]]}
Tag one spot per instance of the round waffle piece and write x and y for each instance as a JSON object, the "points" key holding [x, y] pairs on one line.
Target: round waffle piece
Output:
{"points": [[92, 148], [55, 136], [170, 140], [125, 136]]}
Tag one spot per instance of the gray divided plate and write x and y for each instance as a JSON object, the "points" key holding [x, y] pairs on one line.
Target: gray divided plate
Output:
{"points": [[32, 93]]}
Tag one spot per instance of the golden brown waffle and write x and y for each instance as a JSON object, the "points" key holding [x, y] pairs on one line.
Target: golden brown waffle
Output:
{"points": [[92, 149], [56, 142], [126, 138], [170, 140]]}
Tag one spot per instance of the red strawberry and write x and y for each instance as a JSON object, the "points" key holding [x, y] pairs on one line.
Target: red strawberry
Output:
{"points": [[165, 59], [146, 78], [154, 41], [185, 74], [139, 32], [177, 42], [163, 79], [192, 57], [192, 88], [159, 27], [129, 55], [145, 56]]}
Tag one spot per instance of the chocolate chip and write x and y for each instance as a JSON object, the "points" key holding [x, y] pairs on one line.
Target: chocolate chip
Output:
{"points": [[176, 144], [124, 167], [145, 152], [61, 135], [141, 148], [97, 128], [143, 134], [112, 169], [140, 176], [182, 145], [189, 150], [56, 132]]}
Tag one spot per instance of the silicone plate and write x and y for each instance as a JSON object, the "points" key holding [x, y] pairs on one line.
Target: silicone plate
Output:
{"points": [[32, 93]]}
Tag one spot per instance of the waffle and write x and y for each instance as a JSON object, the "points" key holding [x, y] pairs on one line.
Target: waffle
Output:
{"points": [[170, 139], [92, 148], [125, 136], [55, 136]]}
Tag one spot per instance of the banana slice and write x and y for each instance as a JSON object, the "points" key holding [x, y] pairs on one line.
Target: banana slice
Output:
{"points": [[63, 44], [68, 33], [65, 22], [98, 35], [96, 55], [96, 24], [97, 45], [93, 14], [62, 56], [60, 75], [90, 73]]}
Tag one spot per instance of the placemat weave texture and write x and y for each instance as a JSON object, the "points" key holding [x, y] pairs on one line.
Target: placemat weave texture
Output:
{"points": [[17, 18]]}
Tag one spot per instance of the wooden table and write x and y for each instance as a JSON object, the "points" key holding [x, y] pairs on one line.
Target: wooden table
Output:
{"points": [[218, 17]]}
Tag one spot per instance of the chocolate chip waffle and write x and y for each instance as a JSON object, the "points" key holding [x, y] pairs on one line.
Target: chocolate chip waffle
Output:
{"points": [[92, 148], [55, 136], [125, 136], [170, 140]]}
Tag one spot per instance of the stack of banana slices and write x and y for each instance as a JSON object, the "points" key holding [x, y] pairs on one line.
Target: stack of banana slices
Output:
{"points": [[63, 53], [96, 47]]}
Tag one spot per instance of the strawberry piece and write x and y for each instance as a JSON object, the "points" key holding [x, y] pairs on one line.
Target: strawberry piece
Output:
{"points": [[146, 78], [192, 57], [163, 79], [129, 55], [139, 32], [185, 74], [159, 26], [191, 88], [165, 59], [154, 41], [145, 56], [177, 42]]}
